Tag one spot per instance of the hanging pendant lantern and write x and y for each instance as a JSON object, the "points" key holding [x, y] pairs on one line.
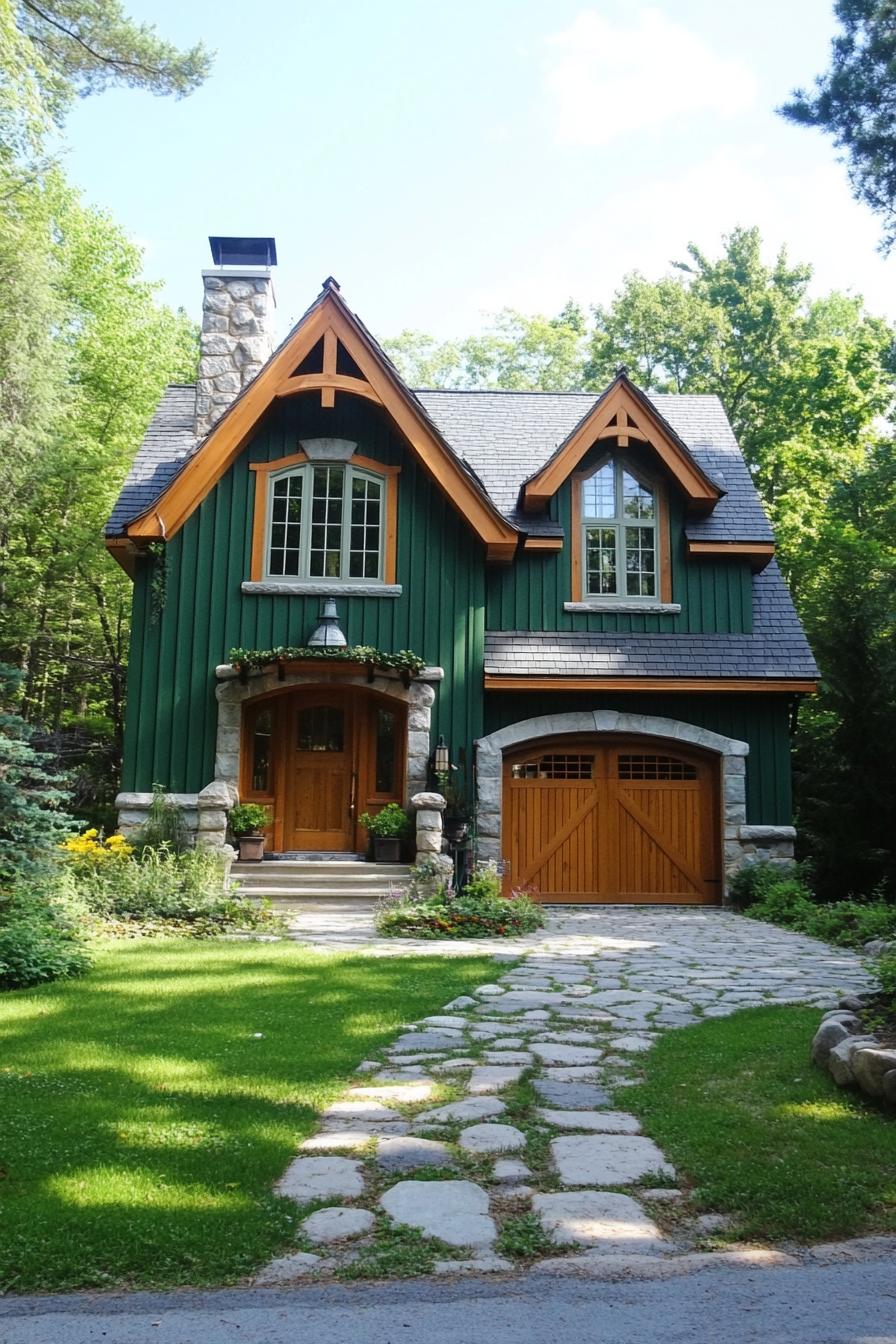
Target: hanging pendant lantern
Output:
{"points": [[328, 634]]}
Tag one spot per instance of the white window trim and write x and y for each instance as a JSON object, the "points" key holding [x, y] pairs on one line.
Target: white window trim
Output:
{"points": [[304, 580], [618, 523]]}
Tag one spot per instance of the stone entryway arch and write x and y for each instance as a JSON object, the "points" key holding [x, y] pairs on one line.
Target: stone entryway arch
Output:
{"points": [[490, 752]]}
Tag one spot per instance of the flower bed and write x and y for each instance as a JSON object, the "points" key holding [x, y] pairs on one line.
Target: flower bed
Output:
{"points": [[479, 911]]}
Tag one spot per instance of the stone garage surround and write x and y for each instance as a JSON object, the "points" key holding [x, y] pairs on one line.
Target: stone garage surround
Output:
{"points": [[742, 843]]}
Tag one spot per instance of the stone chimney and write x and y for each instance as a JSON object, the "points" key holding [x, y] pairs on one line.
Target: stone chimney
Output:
{"points": [[237, 323]]}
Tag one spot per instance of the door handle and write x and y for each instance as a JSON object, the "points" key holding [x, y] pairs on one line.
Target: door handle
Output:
{"points": [[352, 795]]}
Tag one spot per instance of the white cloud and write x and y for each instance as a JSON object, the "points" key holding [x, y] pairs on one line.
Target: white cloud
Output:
{"points": [[604, 80]]}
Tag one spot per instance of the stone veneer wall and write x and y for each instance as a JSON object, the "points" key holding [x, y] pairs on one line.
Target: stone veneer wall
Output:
{"points": [[237, 337], [205, 813], [742, 843]]}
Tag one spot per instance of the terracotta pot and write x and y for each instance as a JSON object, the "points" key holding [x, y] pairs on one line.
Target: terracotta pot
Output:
{"points": [[251, 848]]}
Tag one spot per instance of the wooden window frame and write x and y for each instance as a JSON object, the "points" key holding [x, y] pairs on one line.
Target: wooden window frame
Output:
{"points": [[266, 472], [662, 544]]}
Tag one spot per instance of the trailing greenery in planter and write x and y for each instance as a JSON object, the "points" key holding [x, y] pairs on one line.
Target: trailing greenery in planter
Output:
{"points": [[249, 660], [781, 894], [478, 911]]}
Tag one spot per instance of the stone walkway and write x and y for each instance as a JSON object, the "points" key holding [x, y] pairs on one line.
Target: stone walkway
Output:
{"points": [[496, 1125]]}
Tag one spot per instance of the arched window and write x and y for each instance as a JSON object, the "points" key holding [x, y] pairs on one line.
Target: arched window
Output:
{"points": [[326, 520], [618, 536]]}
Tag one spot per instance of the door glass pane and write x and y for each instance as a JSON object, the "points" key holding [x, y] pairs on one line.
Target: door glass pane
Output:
{"points": [[385, 751], [261, 752], [321, 728], [286, 525], [327, 486]]}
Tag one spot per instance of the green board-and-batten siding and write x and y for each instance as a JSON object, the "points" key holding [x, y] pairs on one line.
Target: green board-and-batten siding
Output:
{"points": [[172, 712]]}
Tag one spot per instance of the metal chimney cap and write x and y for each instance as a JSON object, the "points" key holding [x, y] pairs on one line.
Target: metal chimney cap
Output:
{"points": [[243, 251]]}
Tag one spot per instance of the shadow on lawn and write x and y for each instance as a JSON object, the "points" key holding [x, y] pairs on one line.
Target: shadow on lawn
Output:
{"points": [[148, 1109]]}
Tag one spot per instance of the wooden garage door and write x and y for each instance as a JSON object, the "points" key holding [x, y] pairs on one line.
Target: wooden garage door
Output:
{"points": [[623, 821]]}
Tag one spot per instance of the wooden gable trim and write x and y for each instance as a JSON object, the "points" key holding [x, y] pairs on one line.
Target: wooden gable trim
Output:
{"points": [[543, 544], [759, 553], [498, 682], [260, 510], [331, 321], [622, 414], [125, 552]]}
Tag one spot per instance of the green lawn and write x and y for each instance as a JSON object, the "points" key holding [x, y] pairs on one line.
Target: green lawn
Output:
{"points": [[740, 1109], [146, 1110]]}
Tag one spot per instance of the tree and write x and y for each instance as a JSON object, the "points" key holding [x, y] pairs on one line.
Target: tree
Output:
{"points": [[854, 102], [81, 47], [520, 352]]}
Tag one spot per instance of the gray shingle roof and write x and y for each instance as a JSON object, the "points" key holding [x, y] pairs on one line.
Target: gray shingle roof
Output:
{"points": [[503, 437], [777, 648]]}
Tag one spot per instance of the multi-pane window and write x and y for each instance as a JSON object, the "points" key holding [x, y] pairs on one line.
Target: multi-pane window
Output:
{"points": [[618, 534], [326, 521]]}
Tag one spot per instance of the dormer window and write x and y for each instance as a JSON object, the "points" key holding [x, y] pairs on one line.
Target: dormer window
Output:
{"points": [[621, 538], [618, 534], [326, 521]]}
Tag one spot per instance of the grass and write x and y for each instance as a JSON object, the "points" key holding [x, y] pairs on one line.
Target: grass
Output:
{"points": [[146, 1110], [739, 1109]]}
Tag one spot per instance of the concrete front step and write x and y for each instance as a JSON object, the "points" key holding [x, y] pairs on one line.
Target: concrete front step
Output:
{"points": [[304, 879]]}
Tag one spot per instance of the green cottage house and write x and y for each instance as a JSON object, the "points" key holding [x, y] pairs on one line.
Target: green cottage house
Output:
{"points": [[607, 647]]}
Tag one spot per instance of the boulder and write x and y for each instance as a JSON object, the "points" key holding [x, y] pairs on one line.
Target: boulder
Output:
{"points": [[840, 1058], [889, 1087], [829, 1034], [870, 1066]]}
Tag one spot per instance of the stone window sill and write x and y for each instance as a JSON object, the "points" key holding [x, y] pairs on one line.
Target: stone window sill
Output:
{"points": [[316, 588], [629, 608]]}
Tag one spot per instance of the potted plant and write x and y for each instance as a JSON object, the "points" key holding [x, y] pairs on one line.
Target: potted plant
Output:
{"points": [[387, 829], [248, 822]]}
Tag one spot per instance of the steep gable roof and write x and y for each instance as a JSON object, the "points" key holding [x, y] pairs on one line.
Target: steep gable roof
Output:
{"points": [[328, 322]]}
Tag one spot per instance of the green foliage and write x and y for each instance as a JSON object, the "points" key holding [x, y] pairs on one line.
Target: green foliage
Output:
{"points": [[165, 827], [33, 821], [521, 352], [33, 952], [253, 659], [885, 970], [853, 103], [463, 916], [160, 891], [249, 818], [74, 47], [484, 884], [390, 823], [524, 1236], [782, 896]]}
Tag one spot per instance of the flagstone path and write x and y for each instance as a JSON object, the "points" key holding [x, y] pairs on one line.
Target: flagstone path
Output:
{"points": [[425, 1139]]}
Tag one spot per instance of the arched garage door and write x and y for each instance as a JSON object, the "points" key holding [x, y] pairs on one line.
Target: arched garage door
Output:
{"points": [[613, 820]]}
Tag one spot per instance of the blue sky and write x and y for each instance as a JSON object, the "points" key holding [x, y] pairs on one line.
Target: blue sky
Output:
{"points": [[445, 161]]}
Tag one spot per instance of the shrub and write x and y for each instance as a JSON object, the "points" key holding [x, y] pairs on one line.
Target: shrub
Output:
{"points": [[249, 818], [885, 971], [781, 896], [463, 916], [392, 823], [33, 951], [751, 883], [164, 827], [484, 884], [160, 891]]}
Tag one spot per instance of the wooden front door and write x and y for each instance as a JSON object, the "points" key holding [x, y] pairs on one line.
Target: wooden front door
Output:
{"points": [[320, 773], [612, 822], [320, 757]]}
